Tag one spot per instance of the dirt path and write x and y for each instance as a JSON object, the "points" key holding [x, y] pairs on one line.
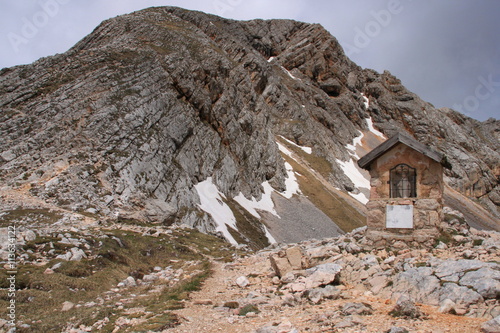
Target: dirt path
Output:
{"points": [[217, 290]]}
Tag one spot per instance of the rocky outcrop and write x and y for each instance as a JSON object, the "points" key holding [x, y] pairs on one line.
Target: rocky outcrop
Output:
{"points": [[128, 121], [454, 280]]}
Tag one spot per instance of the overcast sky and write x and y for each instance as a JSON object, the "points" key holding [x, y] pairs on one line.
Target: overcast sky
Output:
{"points": [[446, 51]]}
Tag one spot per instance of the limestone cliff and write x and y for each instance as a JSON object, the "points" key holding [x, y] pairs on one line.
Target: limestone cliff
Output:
{"points": [[126, 123]]}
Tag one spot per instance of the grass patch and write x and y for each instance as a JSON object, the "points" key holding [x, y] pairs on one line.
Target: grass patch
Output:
{"points": [[444, 237], [450, 217], [127, 221], [43, 244], [248, 308], [207, 245], [29, 216], [477, 242], [171, 298], [115, 255], [318, 163], [55, 82], [157, 323], [76, 269]]}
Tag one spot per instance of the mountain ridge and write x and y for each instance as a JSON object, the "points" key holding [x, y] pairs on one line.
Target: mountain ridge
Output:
{"points": [[129, 120]]}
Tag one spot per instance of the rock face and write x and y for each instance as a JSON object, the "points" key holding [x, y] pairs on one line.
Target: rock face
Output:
{"points": [[128, 121]]}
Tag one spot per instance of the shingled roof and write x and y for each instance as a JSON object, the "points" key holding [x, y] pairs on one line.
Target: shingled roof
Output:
{"points": [[405, 139]]}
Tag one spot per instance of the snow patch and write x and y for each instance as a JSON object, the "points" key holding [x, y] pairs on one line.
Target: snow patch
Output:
{"points": [[366, 101], [352, 147], [308, 150], [270, 237], [270, 59], [369, 122], [265, 203], [361, 197], [212, 203], [352, 172], [289, 74], [284, 149], [292, 186]]}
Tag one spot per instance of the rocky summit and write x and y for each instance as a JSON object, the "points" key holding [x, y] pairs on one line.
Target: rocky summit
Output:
{"points": [[123, 157], [129, 121]]}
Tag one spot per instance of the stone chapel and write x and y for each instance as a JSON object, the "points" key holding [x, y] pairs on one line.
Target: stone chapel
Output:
{"points": [[406, 194]]}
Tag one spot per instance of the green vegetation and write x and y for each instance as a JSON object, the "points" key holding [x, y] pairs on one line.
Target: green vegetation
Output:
{"points": [[55, 82], [115, 255], [477, 242], [26, 215], [445, 237], [248, 308], [450, 217]]}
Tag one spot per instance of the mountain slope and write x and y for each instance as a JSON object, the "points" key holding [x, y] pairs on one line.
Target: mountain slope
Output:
{"points": [[126, 123]]}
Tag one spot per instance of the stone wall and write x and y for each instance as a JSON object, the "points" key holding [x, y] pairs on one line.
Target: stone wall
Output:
{"points": [[427, 206]]}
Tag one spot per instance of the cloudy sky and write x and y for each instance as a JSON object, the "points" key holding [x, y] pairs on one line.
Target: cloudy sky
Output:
{"points": [[446, 51]]}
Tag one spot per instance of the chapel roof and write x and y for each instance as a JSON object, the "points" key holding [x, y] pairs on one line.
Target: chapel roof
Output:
{"points": [[405, 139]]}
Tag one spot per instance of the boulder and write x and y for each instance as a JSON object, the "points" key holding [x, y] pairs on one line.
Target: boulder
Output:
{"points": [[130, 281], [406, 307], [281, 266], [316, 295], [242, 281], [66, 256], [349, 309], [323, 274], [419, 283], [491, 326], [486, 281], [396, 329], [459, 294], [29, 235], [447, 306], [378, 283], [297, 287], [150, 278], [67, 306], [294, 255], [77, 254], [452, 270]]}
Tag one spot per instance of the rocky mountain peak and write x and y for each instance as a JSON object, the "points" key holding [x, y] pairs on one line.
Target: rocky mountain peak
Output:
{"points": [[129, 121]]}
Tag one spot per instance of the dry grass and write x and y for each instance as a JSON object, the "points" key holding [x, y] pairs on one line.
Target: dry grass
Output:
{"points": [[318, 163], [250, 230], [336, 208]]}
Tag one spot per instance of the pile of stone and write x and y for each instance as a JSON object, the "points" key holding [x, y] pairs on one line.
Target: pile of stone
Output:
{"points": [[460, 278], [463, 279]]}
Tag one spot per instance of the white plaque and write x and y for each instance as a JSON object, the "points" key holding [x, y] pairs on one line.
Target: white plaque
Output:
{"points": [[399, 216]]}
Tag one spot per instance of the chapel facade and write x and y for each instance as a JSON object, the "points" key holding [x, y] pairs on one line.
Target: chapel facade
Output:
{"points": [[406, 194]]}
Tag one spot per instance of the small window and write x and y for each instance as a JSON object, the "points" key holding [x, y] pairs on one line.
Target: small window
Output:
{"points": [[403, 182]]}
